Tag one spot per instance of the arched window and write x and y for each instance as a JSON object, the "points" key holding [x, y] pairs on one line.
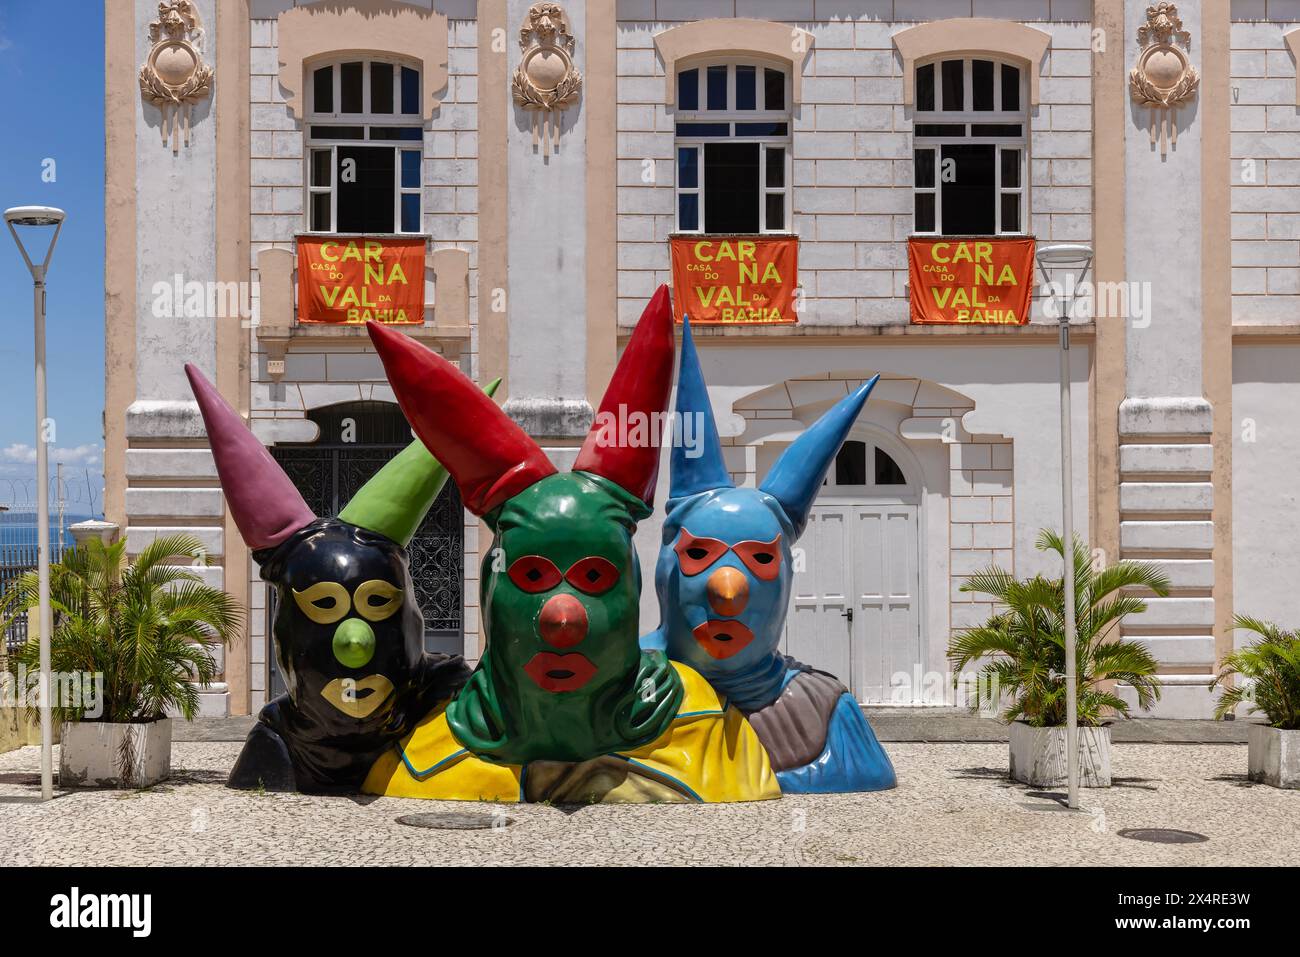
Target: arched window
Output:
{"points": [[733, 146], [970, 131], [863, 465], [364, 146]]}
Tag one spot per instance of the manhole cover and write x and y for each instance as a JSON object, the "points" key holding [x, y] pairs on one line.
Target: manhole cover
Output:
{"points": [[455, 821], [1162, 835]]}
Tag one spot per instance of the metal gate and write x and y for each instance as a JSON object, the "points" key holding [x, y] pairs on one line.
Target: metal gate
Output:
{"points": [[19, 531], [356, 440]]}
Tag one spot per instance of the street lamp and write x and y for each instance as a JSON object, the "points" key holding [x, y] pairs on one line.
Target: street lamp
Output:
{"points": [[41, 216], [1075, 257]]}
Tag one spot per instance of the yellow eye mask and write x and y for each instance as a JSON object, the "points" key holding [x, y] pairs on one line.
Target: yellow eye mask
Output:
{"points": [[327, 602], [377, 599], [324, 602]]}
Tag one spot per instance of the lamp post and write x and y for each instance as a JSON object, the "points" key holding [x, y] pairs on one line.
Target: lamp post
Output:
{"points": [[41, 216], [1077, 258]]}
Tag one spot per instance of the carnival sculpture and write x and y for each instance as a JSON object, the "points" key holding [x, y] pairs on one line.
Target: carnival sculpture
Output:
{"points": [[564, 704], [723, 578], [349, 636]]}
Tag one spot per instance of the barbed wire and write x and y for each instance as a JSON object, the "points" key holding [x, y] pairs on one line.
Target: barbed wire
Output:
{"points": [[77, 491]]}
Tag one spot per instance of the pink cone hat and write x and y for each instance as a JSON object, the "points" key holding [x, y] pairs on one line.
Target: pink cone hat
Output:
{"points": [[263, 501]]}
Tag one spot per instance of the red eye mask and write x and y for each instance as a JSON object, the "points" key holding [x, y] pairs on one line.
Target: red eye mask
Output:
{"points": [[592, 575], [761, 558], [533, 574], [695, 554]]}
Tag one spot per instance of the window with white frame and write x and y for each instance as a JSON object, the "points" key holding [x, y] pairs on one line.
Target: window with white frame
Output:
{"points": [[970, 134], [733, 147], [364, 147]]}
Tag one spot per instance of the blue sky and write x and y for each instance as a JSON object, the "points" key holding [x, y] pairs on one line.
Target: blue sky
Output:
{"points": [[53, 110]]}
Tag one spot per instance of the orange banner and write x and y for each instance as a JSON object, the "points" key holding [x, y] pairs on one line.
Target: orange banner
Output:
{"points": [[970, 281], [350, 281], [734, 279]]}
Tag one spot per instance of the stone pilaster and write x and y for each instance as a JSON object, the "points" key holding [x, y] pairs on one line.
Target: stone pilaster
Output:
{"points": [[171, 484], [547, 279], [1166, 495]]}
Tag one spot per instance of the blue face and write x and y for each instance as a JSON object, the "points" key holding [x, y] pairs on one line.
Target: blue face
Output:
{"points": [[723, 578]]}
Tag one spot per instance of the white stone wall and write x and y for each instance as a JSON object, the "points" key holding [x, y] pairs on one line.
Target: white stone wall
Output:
{"points": [[450, 151], [1265, 166], [852, 144], [326, 372], [981, 511], [1265, 496]]}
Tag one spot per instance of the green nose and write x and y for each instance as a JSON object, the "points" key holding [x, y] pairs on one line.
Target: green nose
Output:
{"points": [[354, 643]]}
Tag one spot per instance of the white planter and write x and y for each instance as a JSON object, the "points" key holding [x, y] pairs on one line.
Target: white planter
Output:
{"points": [[91, 754], [1038, 756], [1274, 756]]}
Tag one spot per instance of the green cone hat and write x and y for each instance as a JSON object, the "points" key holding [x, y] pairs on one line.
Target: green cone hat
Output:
{"points": [[396, 499]]}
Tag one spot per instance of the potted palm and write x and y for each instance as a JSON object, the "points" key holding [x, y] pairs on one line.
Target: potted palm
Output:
{"points": [[1269, 670], [141, 635], [1020, 652]]}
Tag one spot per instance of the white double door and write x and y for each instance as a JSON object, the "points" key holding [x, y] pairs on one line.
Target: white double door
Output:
{"points": [[854, 603]]}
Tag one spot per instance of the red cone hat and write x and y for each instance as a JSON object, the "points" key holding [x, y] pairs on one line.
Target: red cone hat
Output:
{"points": [[490, 458], [624, 441]]}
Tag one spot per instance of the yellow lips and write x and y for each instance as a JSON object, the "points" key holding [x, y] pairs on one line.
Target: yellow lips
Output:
{"points": [[358, 697]]}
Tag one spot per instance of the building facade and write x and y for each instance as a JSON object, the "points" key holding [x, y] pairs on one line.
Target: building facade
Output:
{"points": [[1165, 137]]}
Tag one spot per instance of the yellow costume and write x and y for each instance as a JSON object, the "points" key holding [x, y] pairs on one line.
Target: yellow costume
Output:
{"points": [[709, 754]]}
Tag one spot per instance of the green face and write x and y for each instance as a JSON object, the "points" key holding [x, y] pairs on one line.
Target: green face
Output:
{"points": [[562, 677]]}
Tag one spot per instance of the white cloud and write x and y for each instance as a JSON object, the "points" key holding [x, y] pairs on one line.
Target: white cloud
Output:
{"points": [[80, 456]]}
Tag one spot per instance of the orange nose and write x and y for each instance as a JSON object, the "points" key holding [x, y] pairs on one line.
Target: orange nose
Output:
{"points": [[563, 621], [728, 590]]}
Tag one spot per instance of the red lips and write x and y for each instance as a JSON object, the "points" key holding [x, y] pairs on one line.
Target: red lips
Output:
{"points": [[553, 672], [722, 638]]}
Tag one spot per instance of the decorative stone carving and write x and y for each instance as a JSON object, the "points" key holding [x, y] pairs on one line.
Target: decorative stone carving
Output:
{"points": [[174, 76], [1164, 79], [546, 81]]}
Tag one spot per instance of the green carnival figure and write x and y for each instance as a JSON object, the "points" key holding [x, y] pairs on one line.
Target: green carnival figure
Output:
{"points": [[534, 696], [564, 705]]}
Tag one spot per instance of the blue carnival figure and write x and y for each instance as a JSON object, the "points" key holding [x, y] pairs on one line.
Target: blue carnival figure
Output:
{"points": [[723, 579]]}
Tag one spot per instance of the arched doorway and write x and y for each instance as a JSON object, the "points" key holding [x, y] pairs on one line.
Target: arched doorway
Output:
{"points": [[855, 600], [954, 513], [355, 440]]}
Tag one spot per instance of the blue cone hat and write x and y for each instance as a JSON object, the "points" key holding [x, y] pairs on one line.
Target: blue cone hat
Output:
{"points": [[797, 475], [699, 468]]}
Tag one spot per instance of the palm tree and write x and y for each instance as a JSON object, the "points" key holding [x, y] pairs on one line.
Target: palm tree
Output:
{"points": [[1271, 667], [1021, 649], [148, 627]]}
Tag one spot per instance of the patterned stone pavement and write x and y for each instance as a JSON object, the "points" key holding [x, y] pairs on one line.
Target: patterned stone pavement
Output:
{"points": [[954, 805]]}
